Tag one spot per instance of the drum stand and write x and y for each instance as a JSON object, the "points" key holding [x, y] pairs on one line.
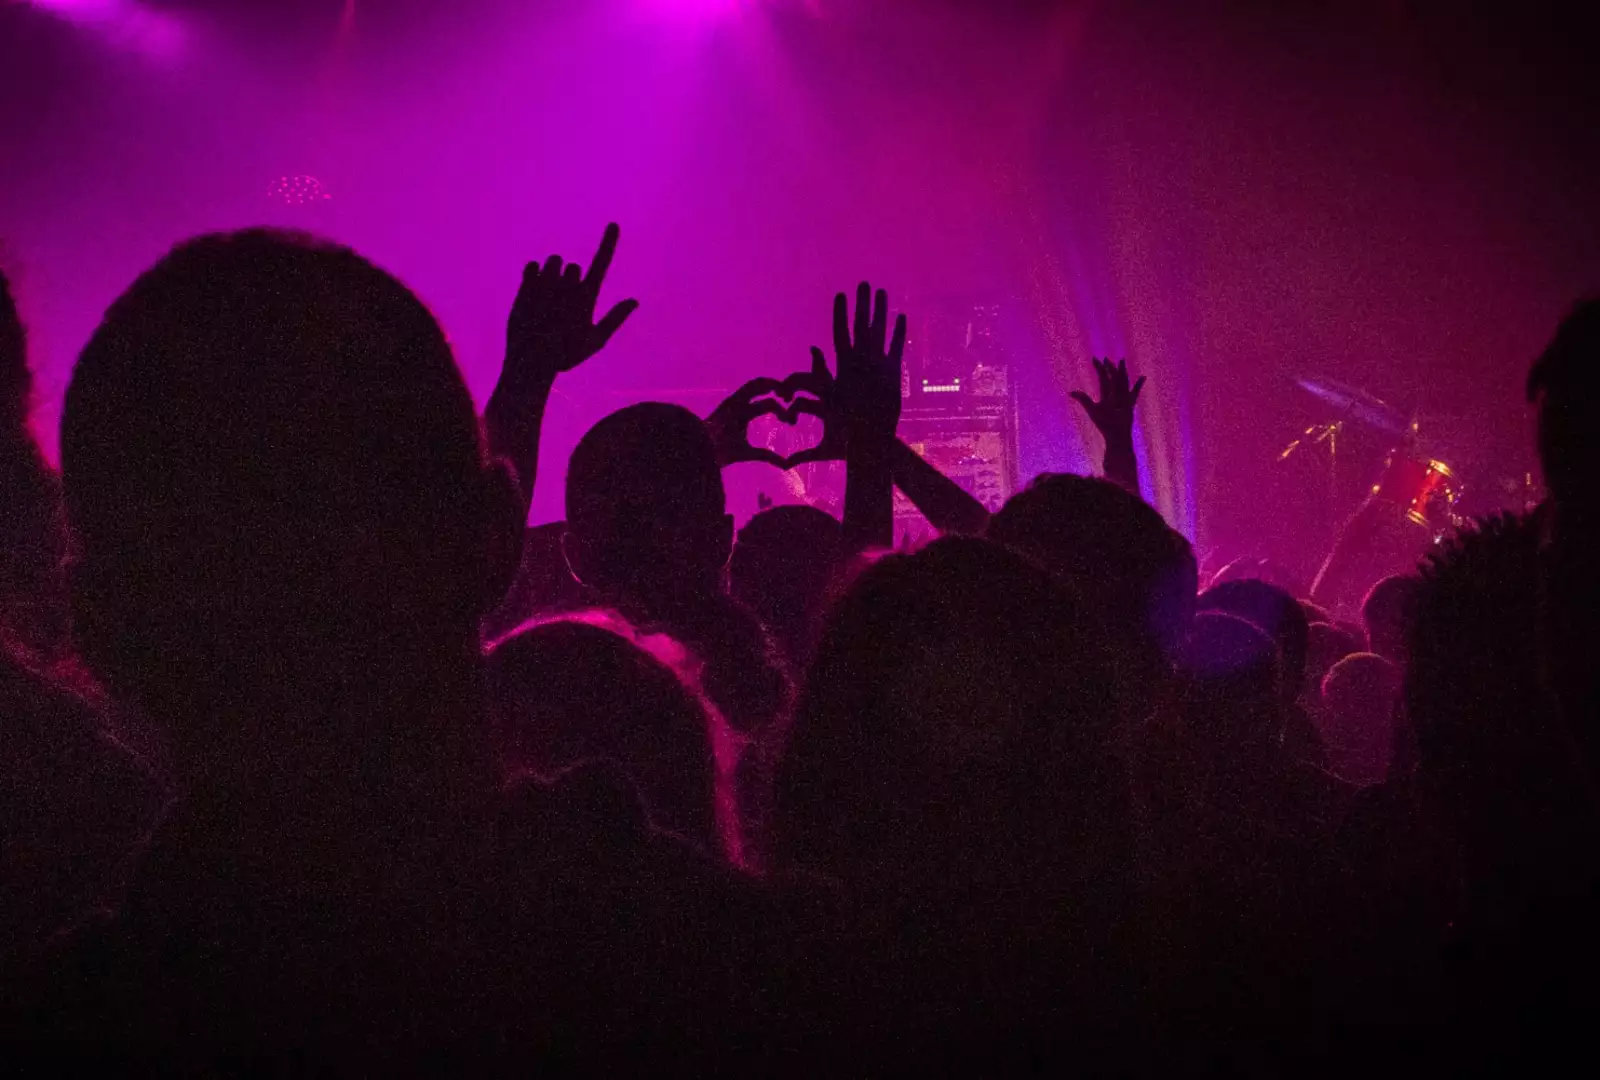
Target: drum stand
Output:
{"points": [[1316, 435]]}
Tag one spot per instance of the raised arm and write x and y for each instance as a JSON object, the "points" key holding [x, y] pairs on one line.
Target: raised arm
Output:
{"points": [[867, 402], [942, 501], [945, 503], [551, 330], [1113, 416]]}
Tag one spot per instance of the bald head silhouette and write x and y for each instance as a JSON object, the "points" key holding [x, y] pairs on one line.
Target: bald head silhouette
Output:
{"points": [[646, 509]]}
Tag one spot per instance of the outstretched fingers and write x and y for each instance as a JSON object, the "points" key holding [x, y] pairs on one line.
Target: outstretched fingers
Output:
{"points": [[602, 259], [897, 347], [841, 331], [611, 324], [863, 326], [1107, 377], [879, 328]]}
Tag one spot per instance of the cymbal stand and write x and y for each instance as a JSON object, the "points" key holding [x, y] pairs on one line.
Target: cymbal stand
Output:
{"points": [[1317, 435]]}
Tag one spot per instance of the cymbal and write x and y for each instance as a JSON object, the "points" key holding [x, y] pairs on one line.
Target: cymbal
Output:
{"points": [[1354, 404]]}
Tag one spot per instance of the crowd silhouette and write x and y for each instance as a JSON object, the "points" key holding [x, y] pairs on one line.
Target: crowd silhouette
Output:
{"points": [[311, 754]]}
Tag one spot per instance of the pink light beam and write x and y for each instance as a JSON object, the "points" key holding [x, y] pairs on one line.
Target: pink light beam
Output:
{"points": [[125, 24]]}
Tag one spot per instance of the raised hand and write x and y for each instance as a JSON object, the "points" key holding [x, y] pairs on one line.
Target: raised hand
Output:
{"points": [[864, 401], [551, 330], [866, 391], [805, 392], [552, 327], [729, 422], [1113, 413]]}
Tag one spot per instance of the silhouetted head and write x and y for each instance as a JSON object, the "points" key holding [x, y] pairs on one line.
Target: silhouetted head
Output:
{"points": [[1388, 611], [281, 496], [1359, 694], [1315, 613], [646, 514], [783, 563], [1326, 645], [1254, 568], [1474, 688], [1231, 674], [955, 714], [1274, 611], [1494, 758], [1137, 575], [1559, 383], [580, 688]]}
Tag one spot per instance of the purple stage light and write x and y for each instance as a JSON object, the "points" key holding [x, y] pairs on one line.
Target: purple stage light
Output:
{"points": [[697, 9], [297, 191], [126, 24], [704, 11]]}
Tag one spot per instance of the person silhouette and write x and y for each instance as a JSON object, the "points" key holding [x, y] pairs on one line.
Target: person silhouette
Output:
{"points": [[649, 536], [954, 743], [572, 689], [1387, 612], [1359, 695], [1135, 574], [1569, 452], [784, 561], [288, 528]]}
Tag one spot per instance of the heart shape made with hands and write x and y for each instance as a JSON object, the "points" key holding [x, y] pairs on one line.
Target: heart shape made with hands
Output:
{"points": [[804, 393]]}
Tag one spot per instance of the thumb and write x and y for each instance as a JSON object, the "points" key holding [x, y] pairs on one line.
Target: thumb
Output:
{"points": [[1083, 399], [611, 324]]}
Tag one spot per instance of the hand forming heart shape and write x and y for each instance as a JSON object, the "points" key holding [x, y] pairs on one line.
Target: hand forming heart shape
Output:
{"points": [[805, 393]]}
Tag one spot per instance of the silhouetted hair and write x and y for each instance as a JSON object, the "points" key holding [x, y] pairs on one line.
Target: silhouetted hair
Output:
{"points": [[1231, 671], [1326, 645], [1494, 758], [947, 688], [1315, 613], [1360, 693], [784, 560], [580, 687], [1571, 356], [1473, 687], [1559, 382], [1112, 547], [1272, 610], [1388, 611], [271, 462]]}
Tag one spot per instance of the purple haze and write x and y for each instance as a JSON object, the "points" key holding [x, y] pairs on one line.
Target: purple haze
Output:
{"points": [[1227, 199]]}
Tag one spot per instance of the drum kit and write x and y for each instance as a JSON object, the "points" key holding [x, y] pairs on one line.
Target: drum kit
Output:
{"points": [[1422, 489]]}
